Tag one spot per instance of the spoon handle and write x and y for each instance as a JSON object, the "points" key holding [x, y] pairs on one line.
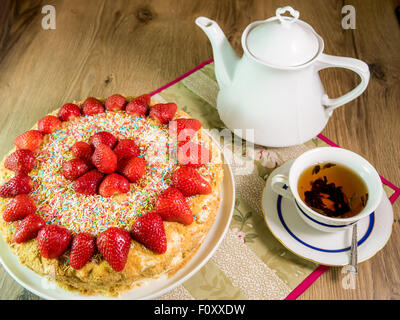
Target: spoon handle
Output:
{"points": [[353, 251]]}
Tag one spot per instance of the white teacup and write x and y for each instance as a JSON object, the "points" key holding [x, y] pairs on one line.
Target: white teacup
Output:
{"points": [[287, 186]]}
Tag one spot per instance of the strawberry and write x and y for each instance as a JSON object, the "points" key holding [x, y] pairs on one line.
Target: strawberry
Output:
{"points": [[75, 168], [116, 102], [139, 106], [83, 247], [68, 112], [82, 150], [192, 154], [53, 241], [89, 182], [29, 140], [171, 205], [49, 124], [126, 148], [20, 161], [20, 184], [103, 137], [29, 228], [132, 168], [190, 182], [114, 244], [149, 231], [184, 129], [104, 159], [113, 184], [92, 106], [18, 208], [163, 112]]}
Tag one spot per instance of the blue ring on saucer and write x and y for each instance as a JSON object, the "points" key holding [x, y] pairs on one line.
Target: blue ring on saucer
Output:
{"points": [[361, 241], [321, 223]]}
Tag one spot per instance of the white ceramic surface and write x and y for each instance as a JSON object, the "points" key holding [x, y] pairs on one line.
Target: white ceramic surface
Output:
{"points": [[275, 89], [327, 248], [49, 290]]}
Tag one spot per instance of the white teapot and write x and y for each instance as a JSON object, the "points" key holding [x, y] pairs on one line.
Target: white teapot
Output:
{"points": [[275, 88]]}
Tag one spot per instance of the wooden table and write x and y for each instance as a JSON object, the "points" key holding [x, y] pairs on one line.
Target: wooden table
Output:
{"points": [[102, 47]]}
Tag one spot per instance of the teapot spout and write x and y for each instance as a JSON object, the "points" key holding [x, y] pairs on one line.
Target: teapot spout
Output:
{"points": [[225, 58]]}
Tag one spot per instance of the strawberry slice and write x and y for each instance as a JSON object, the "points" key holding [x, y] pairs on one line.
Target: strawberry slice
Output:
{"points": [[53, 241], [20, 161], [18, 208], [163, 112], [29, 140], [29, 228], [132, 168], [184, 129], [149, 231], [69, 111], [116, 102], [82, 150], [49, 124], [190, 182], [103, 137], [126, 148], [104, 159], [193, 154], [20, 184], [113, 184], [75, 168], [92, 106], [83, 247], [114, 244], [171, 205], [139, 106], [89, 182]]}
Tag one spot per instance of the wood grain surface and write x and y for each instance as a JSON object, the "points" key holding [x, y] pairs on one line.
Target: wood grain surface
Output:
{"points": [[102, 47]]}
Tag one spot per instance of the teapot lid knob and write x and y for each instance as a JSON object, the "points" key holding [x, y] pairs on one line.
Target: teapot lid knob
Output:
{"points": [[287, 22]]}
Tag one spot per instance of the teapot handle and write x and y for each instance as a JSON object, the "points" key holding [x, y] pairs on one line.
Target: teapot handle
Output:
{"points": [[358, 66]]}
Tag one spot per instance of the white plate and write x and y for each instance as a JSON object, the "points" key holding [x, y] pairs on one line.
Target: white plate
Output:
{"points": [[327, 248], [49, 290]]}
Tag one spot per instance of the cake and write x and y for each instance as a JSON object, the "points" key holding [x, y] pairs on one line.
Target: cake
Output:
{"points": [[105, 194]]}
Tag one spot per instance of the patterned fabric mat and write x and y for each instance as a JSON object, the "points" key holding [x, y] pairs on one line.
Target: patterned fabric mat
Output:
{"points": [[250, 263]]}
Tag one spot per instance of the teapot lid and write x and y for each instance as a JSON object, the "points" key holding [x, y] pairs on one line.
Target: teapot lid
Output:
{"points": [[282, 41]]}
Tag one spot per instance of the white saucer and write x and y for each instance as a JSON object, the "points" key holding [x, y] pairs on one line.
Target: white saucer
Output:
{"points": [[327, 248]]}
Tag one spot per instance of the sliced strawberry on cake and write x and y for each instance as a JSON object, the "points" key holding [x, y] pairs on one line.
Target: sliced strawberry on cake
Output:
{"points": [[29, 140], [104, 159], [133, 168], [193, 154], [89, 182], [75, 168], [29, 228], [126, 148], [20, 161], [82, 150], [139, 106], [49, 124], [184, 129], [103, 137], [190, 182], [113, 184], [116, 102], [114, 244], [149, 231], [20, 184], [83, 246], [163, 112], [171, 205], [53, 241], [69, 111], [92, 106], [19, 207]]}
